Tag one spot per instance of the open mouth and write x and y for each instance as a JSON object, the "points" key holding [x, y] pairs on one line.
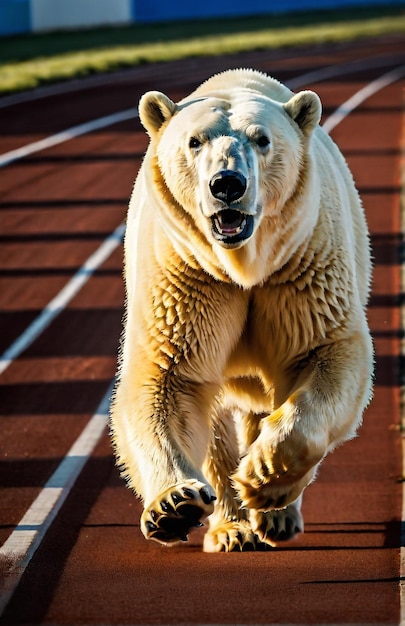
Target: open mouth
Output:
{"points": [[231, 227]]}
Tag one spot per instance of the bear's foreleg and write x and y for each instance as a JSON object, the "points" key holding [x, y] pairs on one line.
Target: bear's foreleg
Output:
{"points": [[323, 409], [180, 330], [161, 438]]}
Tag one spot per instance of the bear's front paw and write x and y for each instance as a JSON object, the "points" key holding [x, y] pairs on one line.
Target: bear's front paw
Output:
{"points": [[260, 487], [171, 516], [272, 527], [230, 536]]}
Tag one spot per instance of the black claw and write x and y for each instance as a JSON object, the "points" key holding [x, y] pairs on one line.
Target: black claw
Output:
{"points": [[166, 507], [188, 493], [177, 497], [151, 526], [206, 496], [154, 515]]}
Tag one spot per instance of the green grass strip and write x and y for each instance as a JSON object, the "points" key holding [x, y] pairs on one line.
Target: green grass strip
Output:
{"points": [[28, 62]]}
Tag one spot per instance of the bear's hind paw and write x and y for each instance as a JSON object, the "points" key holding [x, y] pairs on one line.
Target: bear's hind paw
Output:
{"points": [[231, 536], [171, 516]]}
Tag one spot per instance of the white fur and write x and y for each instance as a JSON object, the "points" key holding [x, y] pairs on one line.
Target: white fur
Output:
{"points": [[270, 329]]}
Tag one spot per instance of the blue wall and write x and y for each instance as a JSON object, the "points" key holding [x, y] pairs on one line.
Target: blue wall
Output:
{"points": [[15, 15], [156, 10]]}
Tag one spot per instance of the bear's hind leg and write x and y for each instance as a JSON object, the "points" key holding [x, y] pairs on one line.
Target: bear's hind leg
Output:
{"points": [[229, 529]]}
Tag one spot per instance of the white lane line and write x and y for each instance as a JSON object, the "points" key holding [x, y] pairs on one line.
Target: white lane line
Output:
{"points": [[66, 135], [331, 71], [60, 301], [18, 550], [358, 98], [63, 88]]}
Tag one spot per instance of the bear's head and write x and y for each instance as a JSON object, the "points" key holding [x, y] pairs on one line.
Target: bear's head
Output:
{"points": [[232, 158]]}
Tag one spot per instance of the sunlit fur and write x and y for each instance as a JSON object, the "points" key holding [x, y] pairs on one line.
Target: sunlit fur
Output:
{"points": [[241, 368]]}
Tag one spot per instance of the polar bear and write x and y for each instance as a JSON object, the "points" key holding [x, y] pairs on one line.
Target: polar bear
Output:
{"points": [[246, 355]]}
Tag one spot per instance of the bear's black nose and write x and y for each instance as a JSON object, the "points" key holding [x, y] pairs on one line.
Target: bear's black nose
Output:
{"points": [[228, 186]]}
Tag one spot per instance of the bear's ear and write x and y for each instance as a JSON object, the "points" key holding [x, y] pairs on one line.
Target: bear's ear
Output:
{"points": [[154, 109], [305, 109]]}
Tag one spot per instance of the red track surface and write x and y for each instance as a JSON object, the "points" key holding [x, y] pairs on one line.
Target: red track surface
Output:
{"points": [[93, 566]]}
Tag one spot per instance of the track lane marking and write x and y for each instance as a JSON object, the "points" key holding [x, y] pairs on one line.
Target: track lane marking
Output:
{"points": [[332, 71], [360, 96], [61, 300], [21, 545], [66, 135], [36, 522]]}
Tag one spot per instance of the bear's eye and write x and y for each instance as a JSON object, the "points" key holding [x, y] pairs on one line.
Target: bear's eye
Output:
{"points": [[194, 143], [263, 141]]}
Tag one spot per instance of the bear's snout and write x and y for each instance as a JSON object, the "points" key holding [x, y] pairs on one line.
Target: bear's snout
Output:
{"points": [[228, 186]]}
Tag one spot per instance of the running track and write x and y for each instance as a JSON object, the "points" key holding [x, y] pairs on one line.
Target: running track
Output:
{"points": [[72, 550]]}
